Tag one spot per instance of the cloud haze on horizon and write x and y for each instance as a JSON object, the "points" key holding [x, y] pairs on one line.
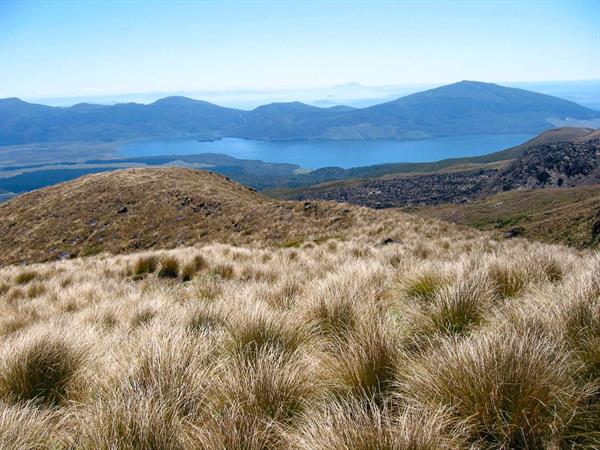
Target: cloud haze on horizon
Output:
{"points": [[64, 48]]}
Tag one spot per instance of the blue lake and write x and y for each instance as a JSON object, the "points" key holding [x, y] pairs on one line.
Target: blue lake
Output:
{"points": [[315, 154]]}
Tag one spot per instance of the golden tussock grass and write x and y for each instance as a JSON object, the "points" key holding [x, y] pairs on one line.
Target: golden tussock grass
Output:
{"points": [[455, 341]]}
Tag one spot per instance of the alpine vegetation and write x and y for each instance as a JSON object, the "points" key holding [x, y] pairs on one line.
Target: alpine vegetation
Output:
{"points": [[454, 341]]}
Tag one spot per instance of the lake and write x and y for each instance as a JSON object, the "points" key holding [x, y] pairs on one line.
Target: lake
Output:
{"points": [[346, 154]]}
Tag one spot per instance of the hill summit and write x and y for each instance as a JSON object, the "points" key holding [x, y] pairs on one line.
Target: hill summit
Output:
{"points": [[126, 210]]}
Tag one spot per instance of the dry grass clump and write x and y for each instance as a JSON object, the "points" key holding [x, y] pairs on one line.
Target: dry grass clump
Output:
{"points": [[145, 264], [510, 391], [454, 309], [365, 426], [261, 331], [42, 369], [4, 288], [365, 366], [424, 285], [189, 270], [454, 341], [168, 267], [27, 427], [224, 271], [26, 276]]}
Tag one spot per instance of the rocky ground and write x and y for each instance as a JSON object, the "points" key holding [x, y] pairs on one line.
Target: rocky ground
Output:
{"points": [[564, 164]]}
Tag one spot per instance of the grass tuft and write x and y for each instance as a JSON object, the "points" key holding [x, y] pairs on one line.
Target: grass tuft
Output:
{"points": [[168, 267], [42, 370], [145, 265], [26, 276]]}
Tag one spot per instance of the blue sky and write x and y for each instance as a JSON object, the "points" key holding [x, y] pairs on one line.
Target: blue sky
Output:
{"points": [[62, 48]]}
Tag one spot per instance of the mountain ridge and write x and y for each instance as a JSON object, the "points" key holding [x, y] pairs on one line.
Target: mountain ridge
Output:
{"points": [[466, 107]]}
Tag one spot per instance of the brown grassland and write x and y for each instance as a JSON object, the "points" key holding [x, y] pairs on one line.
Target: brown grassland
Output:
{"points": [[444, 337]]}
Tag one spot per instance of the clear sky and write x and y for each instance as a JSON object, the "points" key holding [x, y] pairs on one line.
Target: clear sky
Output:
{"points": [[60, 48]]}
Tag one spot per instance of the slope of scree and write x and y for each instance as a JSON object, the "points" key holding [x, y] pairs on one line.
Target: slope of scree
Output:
{"points": [[132, 209]]}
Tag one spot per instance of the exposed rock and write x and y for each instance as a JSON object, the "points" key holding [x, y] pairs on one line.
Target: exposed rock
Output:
{"points": [[513, 232], [561, 164]]}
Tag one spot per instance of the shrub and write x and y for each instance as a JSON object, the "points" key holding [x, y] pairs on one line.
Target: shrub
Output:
{"points": [[145, 264], [25, 277], [169, 267], [42, 370]]}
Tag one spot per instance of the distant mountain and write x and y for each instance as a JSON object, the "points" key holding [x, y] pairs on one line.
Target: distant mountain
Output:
{"points": [[467, 107], [22, 122]]}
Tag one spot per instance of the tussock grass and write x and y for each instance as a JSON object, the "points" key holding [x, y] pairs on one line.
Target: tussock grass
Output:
{"points": [[26, 276], [27, 427], [365, 365], [251, 335], [511, 391], [168, 267], [145, 264], [365, 426], [188, 272], [451, 341], [43, 370], [224, 271]]}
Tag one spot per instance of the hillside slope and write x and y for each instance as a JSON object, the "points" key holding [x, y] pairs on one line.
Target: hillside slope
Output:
{"points": [[125, 210], [444, 338], [557, 159], [467, 107], [568, 216]]}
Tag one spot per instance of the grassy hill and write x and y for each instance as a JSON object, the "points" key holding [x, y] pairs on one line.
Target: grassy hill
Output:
{"points": [[570, 216], [464, 190], [438, 336], [125, 210]]}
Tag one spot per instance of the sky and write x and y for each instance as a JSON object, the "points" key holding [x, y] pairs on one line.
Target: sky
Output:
{"points": [[78, 48]]}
